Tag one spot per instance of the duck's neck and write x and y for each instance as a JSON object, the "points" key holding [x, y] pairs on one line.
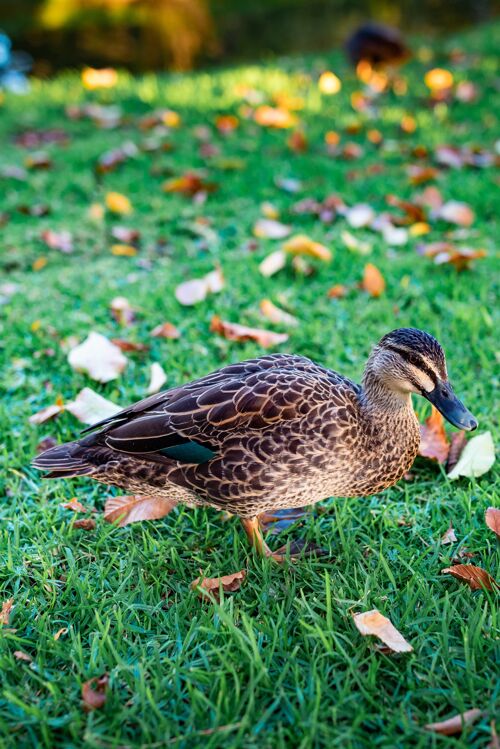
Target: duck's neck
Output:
{"points": [[383, 404]]}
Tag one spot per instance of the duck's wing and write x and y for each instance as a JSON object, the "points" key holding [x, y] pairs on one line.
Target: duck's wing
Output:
{"points": [[191, 422]]}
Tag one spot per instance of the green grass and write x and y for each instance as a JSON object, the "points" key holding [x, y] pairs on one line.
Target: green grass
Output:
{"points": [[279, 663]]}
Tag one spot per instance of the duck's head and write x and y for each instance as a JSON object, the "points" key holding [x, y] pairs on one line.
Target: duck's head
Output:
{"points": [[408, 360]]}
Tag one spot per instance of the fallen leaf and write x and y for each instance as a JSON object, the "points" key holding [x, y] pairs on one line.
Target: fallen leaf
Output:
{"points": [[124, 345], [438, 79], [58, 240], [94, 692], [301, 244], [276, 117], [60, 633], [373, 281], [447, 253], [420, 174], [477, 457], [166, 330], [449, 536], [297, 142], [277, 315], [360, 215], [6, 610], [122, 310], [226, 123], [456, 724], [38, 160], [475, 577], [134, 508], [456, 212], [338, 291], [492, 519], [188, 184], [237, 332], [109, 161], [374, 623], [118, 203], [125, 235], [85, 524], [20, 656], [273, 263], [194, 291], [123, 250], [269, 228], [89, 407], [46, 414], [157, 378], [329, 84], [433, 439], [74, 505], [354, 244], [97, 357], [229, 583]]}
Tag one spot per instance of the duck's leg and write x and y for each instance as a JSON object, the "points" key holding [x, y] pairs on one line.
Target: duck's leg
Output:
{"points": [[254, 535]]}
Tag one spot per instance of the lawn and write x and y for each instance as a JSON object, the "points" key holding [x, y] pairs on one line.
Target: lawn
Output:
{"points": [[278, 663]]}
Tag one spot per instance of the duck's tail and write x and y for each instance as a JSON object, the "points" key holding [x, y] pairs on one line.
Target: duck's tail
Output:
{"points": [[64, 461]]}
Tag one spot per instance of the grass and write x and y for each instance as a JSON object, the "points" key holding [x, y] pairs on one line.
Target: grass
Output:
{"points": [[279, 663]]}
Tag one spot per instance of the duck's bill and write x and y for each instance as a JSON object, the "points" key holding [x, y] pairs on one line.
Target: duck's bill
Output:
{"points": [[445, 400]]}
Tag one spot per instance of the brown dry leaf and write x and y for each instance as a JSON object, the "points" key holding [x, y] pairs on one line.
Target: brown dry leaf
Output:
{"points": [[373, 280], [60, 633], [446, 253], [277, 315], [89, 407], [125, 235], [20, 656], [449, 536], [50, 412], [126, 346], [122, 310], [433, 439], [236, 332], [229, 583], [189, 184], [456, 724], [338, 291], [58, 240], [97, 357], [5, 612], [273, 263], [420, 174], [475, 577], [456, 213], [85, 524], [301, 244], [135, 508], [166, 330], [430, 198], [492, 519], [458, 440], [74, 505], [375, 623], [268, 228], [157, 378], [94, 692]]}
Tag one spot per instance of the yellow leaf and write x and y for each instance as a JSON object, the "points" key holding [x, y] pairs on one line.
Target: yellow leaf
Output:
{"points": [[304, 245], [125, 250], [329, 83], [118, 203]]}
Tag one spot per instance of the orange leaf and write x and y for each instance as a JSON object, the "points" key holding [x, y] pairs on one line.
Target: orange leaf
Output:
{"points": [[373, 281], [456, 724], [74, 505], [229, 583], [85, 524], [492, 518], [438, 79], [274, 117], [166, 330], [5, 611], [94, 692], [375, 623], [301, 244], [475, 577], [134, 508], [277, 315], [433, 440], [337, 291], [236, 332]]}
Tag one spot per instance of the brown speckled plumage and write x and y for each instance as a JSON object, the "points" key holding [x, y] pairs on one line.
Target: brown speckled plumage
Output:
{"points": [[278, 431]]}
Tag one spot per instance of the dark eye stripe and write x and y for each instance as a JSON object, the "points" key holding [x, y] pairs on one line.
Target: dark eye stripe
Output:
{"points": [[415, 359]]}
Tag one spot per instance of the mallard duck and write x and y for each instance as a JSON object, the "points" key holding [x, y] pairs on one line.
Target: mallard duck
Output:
{"points": [[274, 432]]}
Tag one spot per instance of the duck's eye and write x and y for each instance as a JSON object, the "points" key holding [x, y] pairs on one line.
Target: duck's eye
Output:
{"points": [[444, 391]]}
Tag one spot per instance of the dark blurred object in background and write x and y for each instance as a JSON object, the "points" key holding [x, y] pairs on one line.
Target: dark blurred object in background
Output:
{"points": [[180, 34], [377, 44], [13, 67]]}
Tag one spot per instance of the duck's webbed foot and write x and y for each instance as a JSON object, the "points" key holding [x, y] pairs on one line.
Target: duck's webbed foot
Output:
{"points": [[256, 539]]}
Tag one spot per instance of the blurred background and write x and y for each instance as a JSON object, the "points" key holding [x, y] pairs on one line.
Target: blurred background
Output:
{"points": [[185, 34]]}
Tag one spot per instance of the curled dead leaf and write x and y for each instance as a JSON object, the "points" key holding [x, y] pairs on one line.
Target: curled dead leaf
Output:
{"points": [[449, 536], [89, 407], [374, 623], [97, 357], [6, 610], [301, 244], [277, 315], [50, 412], [134, 508], [94, 692], [446, 253], [228, 583], [456, 212], [236, 332], [273, 263], [433, 439], [492, 519], [84, 524], [456, 724], [74, 505], [475, 577], [20, 656]]}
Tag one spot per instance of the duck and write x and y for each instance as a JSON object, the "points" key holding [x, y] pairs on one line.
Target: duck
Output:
{"points": [[377, 44], [278, 431]]}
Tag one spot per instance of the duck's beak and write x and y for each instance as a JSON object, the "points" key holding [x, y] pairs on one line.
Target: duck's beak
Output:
{"points": [[445, 400]]}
